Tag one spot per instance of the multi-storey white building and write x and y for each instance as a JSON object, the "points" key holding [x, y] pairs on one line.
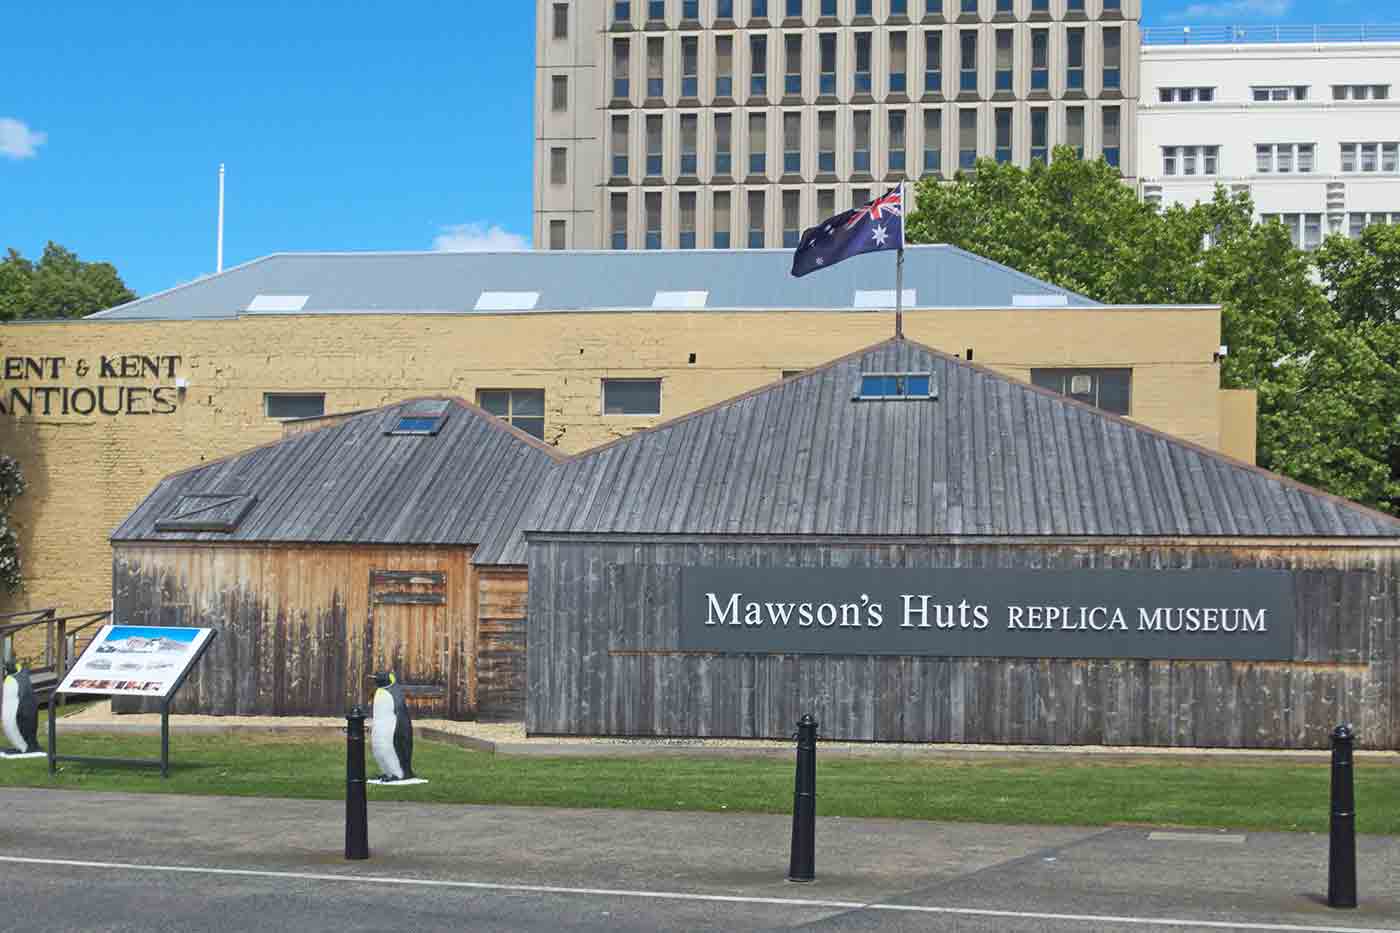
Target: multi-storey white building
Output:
{"points": [[1306, 119], [736, 123]]}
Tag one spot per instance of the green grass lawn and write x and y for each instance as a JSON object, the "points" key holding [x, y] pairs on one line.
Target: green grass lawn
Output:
{"points": [[1227, 794]]}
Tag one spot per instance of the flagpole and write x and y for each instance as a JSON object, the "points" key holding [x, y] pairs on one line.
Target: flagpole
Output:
{"points": [[899, 267]]}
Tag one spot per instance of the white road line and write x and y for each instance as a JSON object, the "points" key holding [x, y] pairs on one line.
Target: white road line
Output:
{"points": [[683, 896]]}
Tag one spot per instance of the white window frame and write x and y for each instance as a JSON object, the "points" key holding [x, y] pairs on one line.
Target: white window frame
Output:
{"points": [[1193, 161], [1278, 93], [1379, 153], [1186, 95], [1270, 158], [1296, 223]]}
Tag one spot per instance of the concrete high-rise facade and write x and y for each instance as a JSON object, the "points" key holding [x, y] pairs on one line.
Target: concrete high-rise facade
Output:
{"points": [[679, 124]]}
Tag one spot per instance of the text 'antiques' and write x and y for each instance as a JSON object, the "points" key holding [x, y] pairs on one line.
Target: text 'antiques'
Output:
{"points": [[108, 391]]}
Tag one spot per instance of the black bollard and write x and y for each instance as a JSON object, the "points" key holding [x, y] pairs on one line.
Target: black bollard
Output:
{"points": [[356, 803], [802, 867], [1341, 861]]}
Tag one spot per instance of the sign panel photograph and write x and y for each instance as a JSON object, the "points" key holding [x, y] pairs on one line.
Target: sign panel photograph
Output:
{"points": [[136, 660], [1180, 614]]}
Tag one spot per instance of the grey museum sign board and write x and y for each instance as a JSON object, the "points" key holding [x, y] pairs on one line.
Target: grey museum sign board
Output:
{"points": [[1210, 614]]}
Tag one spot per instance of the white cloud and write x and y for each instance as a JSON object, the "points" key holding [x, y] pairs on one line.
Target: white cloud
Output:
{"points": [[478, 237], [18, 141], [1243, 9]]}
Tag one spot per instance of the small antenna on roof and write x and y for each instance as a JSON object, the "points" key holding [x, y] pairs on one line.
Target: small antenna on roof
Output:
{"points": [[219, 250]]}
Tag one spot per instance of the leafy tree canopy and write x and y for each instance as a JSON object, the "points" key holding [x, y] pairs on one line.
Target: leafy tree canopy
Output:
{"points": [[59, 285], [11, 485], [1322, 356]]}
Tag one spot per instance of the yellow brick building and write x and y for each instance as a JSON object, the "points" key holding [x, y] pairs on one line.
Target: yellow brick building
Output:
{"points": [[98, 410]]}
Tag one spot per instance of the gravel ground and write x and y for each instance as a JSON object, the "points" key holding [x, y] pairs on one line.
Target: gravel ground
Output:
{"points": [[513, 733]]}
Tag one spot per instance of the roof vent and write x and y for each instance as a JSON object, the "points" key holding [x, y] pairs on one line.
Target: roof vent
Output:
{"points": [[207, 512], [680, 299], [883, 298], [272, 304], [1039, 301], [507, 301], [423, 418]]}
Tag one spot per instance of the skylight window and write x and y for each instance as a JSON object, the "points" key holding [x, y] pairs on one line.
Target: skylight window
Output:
{"points": [[421, 418], [883, 298], [507, 301], [895, 386], [680, 299], [219, 512], [273, 304]]}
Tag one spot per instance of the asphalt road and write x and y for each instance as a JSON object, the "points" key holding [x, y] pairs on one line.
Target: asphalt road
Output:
{"points": [[78, 861]]}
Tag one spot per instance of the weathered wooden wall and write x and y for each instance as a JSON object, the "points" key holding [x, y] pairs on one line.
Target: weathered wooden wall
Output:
{"points": [[500, 666], [295, 632], [603, 657]]}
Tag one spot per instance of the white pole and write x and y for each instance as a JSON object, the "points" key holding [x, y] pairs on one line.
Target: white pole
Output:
{"points": [[899, 266], [219, 257]]}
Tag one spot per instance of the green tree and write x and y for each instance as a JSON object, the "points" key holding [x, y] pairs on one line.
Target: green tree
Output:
{"points": [[11, 485], [1328, 392], [59, 285], [1362, 276]]}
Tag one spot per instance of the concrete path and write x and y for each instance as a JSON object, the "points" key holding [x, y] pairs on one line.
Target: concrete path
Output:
{"points": [[72, 861]]}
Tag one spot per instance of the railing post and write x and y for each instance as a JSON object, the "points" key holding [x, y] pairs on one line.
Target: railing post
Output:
{"points": [[7, 649], [356, 802], [802, 866], [1341, 856]]}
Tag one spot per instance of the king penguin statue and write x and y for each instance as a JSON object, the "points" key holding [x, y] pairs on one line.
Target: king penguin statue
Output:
{"points": [[20, 711], [392, 740]]}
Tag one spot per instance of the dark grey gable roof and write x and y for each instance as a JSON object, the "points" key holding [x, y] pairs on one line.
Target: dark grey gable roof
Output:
{"points": [[989, 456], [351, 482], [418, 283]]}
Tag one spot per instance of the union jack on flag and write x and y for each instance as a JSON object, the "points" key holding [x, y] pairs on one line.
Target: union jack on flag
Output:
{"points": [[873, 227], [892, 202]]}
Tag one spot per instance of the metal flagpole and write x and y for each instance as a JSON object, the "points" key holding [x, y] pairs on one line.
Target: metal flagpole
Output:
{"points": [[899, 269], [219, 250]]}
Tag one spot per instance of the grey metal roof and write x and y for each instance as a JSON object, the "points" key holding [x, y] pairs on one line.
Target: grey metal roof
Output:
{"points": [[989, 456], [442, 282], [353, 483]]}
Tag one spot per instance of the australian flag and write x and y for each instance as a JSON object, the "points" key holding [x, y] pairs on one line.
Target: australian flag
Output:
{"points": [[877, 226]]}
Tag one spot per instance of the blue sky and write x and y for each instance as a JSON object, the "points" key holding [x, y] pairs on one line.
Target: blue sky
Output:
{"points": [[344, 126]]}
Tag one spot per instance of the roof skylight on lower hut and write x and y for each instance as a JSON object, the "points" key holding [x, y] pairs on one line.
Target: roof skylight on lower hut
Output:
{"points": [[895, 386], [423, 418], [219, 512]]}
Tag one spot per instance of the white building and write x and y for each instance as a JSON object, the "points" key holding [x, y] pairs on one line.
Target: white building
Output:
{"points": [[1306, 119]]}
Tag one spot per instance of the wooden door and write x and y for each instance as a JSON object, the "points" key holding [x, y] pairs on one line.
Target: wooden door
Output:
{"points": [[409, 634], [500, 661]]}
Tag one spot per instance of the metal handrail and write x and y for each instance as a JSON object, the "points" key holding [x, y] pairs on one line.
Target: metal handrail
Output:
{"points": [[57, 635], [95, 617], [40, 616], [1258, 35]]}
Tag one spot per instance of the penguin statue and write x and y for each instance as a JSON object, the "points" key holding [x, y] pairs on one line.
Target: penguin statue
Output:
{"points": [[392, 740], [20, 712]]}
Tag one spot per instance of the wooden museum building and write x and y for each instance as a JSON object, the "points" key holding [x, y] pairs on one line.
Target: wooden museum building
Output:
{"points": [[905, 544]]}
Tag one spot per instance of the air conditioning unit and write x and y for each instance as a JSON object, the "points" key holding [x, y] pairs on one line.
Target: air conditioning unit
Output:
{"points": [[1081, 384]]}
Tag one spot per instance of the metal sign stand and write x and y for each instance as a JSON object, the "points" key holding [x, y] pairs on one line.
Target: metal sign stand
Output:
{"points": [[163, 762]]}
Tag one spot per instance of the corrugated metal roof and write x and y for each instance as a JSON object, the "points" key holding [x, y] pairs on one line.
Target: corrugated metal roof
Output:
{"points": [[987, 456], [454, 283], [353, 483]]}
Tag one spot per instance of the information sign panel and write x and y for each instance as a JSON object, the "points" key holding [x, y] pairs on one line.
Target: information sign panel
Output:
{"points": [[136, 660]]}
